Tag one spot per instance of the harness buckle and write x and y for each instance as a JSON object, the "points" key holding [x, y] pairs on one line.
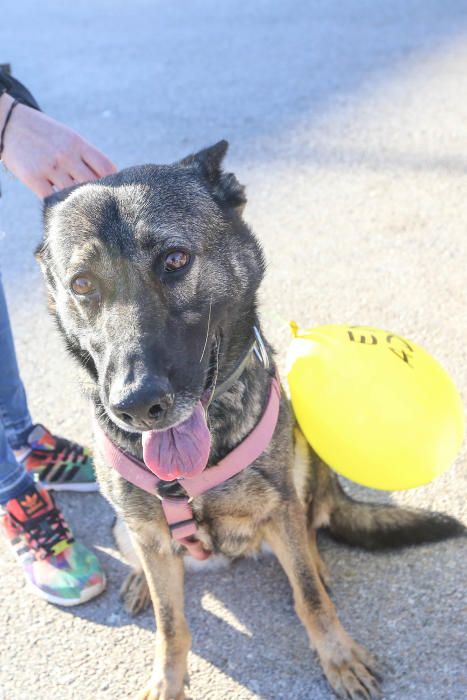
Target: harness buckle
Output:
{"points": [[171, 489]]}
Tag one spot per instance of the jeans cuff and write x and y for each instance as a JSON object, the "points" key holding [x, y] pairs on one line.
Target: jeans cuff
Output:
{"points": [[17, 483], [17, 434]]}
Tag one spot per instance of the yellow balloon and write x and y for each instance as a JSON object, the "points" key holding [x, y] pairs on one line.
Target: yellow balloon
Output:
{"points": [[374, 406]]}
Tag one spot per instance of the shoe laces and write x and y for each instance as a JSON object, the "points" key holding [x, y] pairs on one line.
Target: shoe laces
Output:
{"points": [[47, 534]]}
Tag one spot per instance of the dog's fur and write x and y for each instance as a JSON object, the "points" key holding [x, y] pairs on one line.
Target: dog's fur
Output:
{"points": [[143, 333]]}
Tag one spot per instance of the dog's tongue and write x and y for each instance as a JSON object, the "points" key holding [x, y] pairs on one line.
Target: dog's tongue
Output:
{"points": [[182, 451]]}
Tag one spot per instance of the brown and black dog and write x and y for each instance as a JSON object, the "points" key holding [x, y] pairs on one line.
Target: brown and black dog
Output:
{"points": [[152, 276]]}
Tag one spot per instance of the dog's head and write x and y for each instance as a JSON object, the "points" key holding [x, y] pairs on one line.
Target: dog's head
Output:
{"points": [[146, 270]]}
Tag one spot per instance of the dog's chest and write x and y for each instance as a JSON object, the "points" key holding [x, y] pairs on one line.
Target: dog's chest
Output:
{"points": [[230, 519]]}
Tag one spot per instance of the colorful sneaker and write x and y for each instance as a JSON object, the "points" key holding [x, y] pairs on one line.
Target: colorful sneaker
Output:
{"points": [[57, 463], [56, 567]]}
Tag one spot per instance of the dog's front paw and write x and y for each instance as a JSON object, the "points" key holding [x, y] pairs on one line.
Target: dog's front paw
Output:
{"points": [[161, 689], [352, 671], [135, 593]]}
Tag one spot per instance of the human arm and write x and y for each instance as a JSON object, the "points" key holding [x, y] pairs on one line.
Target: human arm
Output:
{"points": [[42, 153]]}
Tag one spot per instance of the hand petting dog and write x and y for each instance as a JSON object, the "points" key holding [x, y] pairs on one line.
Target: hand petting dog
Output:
{"points": [[44, 154]]}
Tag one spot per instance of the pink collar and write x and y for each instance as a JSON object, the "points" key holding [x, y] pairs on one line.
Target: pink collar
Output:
{"points": [[178, 509]]}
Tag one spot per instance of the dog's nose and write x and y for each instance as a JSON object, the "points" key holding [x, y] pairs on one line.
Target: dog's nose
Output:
{"points": [[142, 408]]}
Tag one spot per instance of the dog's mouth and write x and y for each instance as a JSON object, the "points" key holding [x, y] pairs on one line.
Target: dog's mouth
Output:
{"points": [[179, 452], [182, 451]]}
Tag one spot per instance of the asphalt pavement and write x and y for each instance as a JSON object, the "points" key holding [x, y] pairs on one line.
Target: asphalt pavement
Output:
{"points": [[347, 122]]}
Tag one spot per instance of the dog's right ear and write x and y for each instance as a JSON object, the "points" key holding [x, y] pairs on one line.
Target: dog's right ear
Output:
{"points": [[225, 187]]}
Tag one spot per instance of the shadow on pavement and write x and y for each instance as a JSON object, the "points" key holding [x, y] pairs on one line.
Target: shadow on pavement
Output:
{"points": [[242, 617]]}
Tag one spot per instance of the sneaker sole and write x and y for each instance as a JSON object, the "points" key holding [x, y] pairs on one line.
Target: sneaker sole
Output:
{"points": [[88, 487], [86, 595]]}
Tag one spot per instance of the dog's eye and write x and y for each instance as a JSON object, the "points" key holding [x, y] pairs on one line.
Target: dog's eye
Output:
{"points": [[176, 260], [83, 285]]}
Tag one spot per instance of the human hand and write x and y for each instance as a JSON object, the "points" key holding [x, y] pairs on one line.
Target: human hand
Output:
{"points": [[46, 155]]}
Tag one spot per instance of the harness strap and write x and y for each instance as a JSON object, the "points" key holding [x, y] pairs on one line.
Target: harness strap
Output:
{"points": [[244, 454], [127, 466], [177, 510], [179, 516]]}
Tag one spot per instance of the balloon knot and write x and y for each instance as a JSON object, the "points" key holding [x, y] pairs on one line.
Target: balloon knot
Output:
{"points": [[294, 328]]}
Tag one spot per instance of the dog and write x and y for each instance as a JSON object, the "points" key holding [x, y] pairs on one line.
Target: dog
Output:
{"points": [[152, 277]]}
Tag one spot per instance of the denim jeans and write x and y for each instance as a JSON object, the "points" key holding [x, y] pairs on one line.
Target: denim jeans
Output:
{"points": [[14, 413]]}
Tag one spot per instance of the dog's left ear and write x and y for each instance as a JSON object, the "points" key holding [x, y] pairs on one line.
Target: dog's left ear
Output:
{"points": [[56, 197], [41, 253], [225, 187], [48, 205]]}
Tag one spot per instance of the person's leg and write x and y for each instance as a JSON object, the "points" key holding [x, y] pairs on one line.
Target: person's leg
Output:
{"points": [[14, 412], [14, 479], [58, 568]]}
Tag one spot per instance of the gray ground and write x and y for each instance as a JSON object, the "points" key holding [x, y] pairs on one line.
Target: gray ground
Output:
{"points": [[347, 123]]}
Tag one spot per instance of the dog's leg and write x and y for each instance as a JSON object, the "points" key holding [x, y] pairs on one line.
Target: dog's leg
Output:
{"points": [[164, 573], [134, 591], [349, 668], [321, 566]]}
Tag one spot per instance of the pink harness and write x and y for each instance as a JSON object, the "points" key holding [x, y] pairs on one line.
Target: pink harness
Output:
{"points": [[178, 510]]}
